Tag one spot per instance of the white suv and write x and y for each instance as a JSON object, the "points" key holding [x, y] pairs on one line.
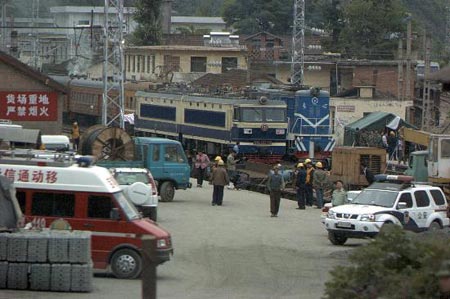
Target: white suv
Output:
{"points": [[393, 200], [140, 187]]}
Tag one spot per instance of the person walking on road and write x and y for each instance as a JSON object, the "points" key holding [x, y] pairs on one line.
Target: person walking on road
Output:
{"points": [[231, 168], [300, 186], [339, 196], [309, 182], [275, 184], [201, 163], [320, 183], [219, 179]]}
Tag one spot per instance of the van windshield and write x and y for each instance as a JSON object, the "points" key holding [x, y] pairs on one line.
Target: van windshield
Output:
{"points": [[127, 207]]}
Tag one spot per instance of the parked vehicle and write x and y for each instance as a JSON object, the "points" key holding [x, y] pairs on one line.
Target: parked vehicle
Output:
{"points": [[88, 198], [165, 159], [392, 200], [139, 185], [60, 143]]}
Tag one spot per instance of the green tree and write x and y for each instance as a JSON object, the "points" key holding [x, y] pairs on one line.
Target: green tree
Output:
{"points": [[396, 265], [371, 28], [147, 16], [252, 16]]}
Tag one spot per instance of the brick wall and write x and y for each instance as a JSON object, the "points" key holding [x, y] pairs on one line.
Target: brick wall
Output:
{"points": [[384, 78]]}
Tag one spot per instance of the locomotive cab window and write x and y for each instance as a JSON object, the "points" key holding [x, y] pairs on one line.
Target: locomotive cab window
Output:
{"points": [[252, 114], [274, 115]]}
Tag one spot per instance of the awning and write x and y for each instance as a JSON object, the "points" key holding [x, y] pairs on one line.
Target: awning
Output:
{"points": [[395, 123]]}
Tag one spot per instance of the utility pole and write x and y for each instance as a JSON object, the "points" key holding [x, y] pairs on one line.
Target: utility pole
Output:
{"points": [[427, 102], [408, 60], [113, 65], [298, 43], [400, 70]]}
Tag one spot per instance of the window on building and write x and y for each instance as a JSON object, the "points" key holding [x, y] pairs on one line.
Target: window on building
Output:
{"points": [[229, 63], [198, 64], [148, 63], [133, 65], [138, 64], [84, 22], [99, 206], [153, 64], [171, 63]]}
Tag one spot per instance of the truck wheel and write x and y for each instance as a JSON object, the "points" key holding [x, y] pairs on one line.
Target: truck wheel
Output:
{"points": [[336, 238], [126, 264], [434, 226], [167, 191]]}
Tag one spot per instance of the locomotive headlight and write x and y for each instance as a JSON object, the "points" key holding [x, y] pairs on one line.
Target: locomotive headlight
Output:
{"points": [[248, 131]]}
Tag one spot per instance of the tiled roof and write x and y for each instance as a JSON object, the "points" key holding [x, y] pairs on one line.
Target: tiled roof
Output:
{"points": [[30, 72]]}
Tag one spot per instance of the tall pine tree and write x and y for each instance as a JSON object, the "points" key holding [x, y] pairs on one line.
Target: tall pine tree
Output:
{"points": [[148, 31]]}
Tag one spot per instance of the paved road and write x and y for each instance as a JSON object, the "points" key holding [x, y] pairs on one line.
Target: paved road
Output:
{"points": [[233, 251]]}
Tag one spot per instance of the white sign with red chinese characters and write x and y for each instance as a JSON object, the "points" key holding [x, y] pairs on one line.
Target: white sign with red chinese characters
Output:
{"points": [[35, 176], [29, 106]]}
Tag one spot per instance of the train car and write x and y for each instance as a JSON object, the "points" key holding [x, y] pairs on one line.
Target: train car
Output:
{"points": [[214, 124], [308, 113]]}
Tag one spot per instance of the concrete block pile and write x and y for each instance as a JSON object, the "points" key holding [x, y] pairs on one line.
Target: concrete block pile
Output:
{"points": [[46, 261]]}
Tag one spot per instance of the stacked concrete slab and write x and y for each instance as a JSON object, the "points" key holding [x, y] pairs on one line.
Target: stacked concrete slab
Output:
{"points": [[46, 260]]}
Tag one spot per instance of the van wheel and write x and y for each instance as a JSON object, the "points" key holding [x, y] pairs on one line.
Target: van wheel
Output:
{"points": [[336, 238], [126, 264], [434, 226], [167, 191]]}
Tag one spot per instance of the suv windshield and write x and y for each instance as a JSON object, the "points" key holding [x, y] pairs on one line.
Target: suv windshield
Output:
{"points": [[128, 178], [372, 197], [127, 207]]}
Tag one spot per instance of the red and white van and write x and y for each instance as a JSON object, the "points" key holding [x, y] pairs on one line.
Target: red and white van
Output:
{"points": [[88, 198]]}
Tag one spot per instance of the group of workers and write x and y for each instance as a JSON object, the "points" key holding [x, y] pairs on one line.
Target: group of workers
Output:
{"points": [[308, 178], [220, 175]]}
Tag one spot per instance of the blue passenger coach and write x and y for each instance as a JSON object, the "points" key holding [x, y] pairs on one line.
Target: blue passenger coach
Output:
{"points": [[214, 124]]}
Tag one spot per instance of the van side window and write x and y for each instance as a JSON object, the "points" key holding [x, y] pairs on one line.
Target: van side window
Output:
{"points": [[53, 204], [438, 197], [422, 199], [407, 198], [156, 152], [21, 198], [99, 206]]}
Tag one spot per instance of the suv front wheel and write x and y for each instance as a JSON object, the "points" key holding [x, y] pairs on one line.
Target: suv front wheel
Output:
{"points": [[336, 238]]}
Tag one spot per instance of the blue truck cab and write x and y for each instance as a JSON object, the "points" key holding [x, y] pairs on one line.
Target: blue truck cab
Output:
{"points": [[166, 160]]}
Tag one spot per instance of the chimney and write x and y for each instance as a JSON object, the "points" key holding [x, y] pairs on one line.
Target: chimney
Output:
{"points": [[166, 16]]}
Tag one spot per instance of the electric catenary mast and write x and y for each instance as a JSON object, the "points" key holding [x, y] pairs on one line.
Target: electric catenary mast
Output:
{"points": [[113, 68], [298, 43]]}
